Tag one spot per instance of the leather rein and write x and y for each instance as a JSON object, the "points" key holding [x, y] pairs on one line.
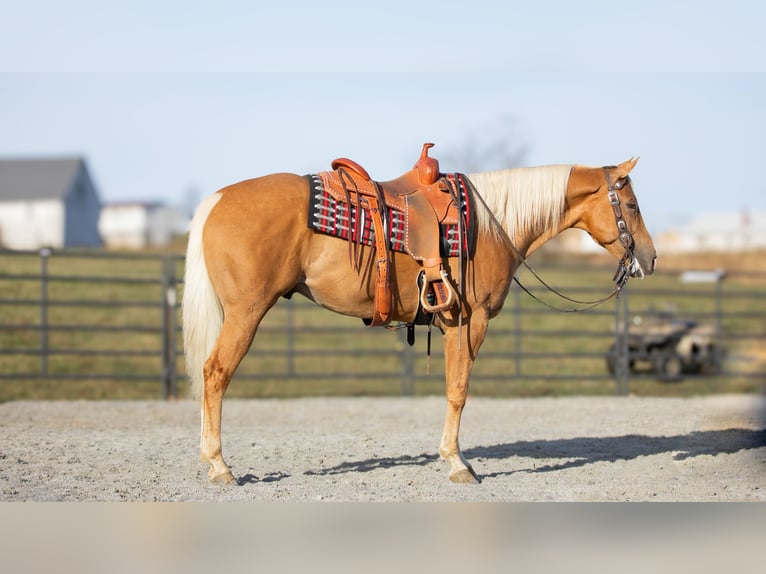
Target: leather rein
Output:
{"points": [[622, 274]]}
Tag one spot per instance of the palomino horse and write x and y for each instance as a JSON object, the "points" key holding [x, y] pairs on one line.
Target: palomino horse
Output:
{"points": [[249, 245]]}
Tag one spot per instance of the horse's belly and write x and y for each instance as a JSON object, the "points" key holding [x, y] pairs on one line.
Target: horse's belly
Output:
{"points": [[336, 299], [332, 281]]}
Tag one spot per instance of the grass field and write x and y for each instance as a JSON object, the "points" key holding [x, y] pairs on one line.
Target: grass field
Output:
{"points": [[92, 314]]}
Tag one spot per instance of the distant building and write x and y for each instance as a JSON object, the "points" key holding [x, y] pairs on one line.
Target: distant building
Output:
{"points": [[47, 203], [724, 232], [135, 225], [721, 232]]}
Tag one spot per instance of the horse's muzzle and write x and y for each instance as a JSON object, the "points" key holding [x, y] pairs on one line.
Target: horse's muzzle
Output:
{"points": [[641, 267]]}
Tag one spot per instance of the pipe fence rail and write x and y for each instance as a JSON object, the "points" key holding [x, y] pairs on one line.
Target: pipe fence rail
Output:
{"points": [[94, 315]]}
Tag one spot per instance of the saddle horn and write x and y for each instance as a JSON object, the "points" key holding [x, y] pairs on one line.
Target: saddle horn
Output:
{"points": [[428, 167]]}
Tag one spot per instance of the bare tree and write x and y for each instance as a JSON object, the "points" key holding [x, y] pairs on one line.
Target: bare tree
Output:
{"points": [[488, 148]]}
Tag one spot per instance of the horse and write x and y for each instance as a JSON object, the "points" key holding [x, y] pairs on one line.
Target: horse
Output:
{"points": [[249, 245]]}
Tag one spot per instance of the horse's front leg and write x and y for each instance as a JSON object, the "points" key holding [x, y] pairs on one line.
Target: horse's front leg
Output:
{"points": [[458, 363]]}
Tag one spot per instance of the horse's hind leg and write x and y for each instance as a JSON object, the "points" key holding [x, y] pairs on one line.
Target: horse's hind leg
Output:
{"points": [[236, 336]]}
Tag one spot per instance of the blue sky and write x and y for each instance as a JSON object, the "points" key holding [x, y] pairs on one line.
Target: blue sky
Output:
{"points": [[171, 99]]}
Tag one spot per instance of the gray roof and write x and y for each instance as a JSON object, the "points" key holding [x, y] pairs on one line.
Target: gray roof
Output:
{"points": [[30, 179]]}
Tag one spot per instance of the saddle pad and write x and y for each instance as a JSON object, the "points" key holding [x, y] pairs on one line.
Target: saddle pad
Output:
{"points": [[331, 217]]}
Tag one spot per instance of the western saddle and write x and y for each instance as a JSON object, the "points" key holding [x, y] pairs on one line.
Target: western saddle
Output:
{"points": [[426, 200]]}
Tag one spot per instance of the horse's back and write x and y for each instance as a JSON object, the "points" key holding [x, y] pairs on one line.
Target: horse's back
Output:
{"points": [[261, 207], [278, 191]]}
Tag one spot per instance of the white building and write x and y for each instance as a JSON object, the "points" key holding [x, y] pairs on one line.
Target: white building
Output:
{"points": [[719, 232], [724, 232], [135, 225]]}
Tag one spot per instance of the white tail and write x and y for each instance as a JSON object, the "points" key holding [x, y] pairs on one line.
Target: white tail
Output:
{"points": [[202, 312]]}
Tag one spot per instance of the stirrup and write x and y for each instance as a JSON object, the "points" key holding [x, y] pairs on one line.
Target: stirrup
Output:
{"points": [[443, 292]]}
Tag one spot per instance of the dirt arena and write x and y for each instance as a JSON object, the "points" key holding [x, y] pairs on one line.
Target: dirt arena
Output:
{"points": [[385, 449]]}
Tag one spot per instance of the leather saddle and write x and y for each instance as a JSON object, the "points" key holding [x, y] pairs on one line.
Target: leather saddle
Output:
{"points": [[426, 200]]}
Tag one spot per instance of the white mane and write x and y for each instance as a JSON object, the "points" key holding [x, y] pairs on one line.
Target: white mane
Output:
{"points": [[522, 200]]}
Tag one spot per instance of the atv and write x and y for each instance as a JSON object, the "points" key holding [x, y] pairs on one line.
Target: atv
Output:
{"points": [[671, 347]]}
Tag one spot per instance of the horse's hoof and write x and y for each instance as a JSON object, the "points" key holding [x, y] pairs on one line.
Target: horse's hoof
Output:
{"points": [[465, 476], [224, 478]]}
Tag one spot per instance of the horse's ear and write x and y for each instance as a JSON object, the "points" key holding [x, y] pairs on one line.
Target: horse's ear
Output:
{"points": [[625, 167]]}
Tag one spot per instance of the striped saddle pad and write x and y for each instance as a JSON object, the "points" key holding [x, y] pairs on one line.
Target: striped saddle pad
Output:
{"points": [[330, 216]]}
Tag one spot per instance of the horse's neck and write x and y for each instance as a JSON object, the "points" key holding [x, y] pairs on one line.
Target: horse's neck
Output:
{"points": [[538, 238], [528, 204], [531, 244]]}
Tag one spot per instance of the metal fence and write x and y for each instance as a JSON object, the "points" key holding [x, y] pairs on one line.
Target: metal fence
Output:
{"points": [[115, 317], [68, 314]]}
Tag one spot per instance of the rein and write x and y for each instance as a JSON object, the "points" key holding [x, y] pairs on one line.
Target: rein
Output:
{"points": [[622, 274]]}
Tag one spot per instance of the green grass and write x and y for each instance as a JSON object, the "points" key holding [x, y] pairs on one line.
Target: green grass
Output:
{"points": [[341, 345]]}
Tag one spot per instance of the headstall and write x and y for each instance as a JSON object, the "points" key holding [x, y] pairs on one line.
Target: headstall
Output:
{"points": [[622, 274]]}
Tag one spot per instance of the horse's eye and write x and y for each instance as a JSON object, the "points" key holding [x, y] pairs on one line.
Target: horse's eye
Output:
{"points": [[632, 205]]}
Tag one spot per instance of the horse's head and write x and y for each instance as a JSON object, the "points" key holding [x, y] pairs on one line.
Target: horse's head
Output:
{"points": [[608, 210]]}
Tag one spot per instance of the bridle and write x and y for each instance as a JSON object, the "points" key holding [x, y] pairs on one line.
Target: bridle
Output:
{"points": [[627, 261]]}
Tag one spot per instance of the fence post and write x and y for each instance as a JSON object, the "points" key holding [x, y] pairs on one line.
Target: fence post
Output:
{"points": [[622, 350], [516, 328], [719, 331], [169, 326], [44, 255]]}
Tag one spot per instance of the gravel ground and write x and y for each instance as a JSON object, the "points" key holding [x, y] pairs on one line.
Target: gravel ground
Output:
{"points": [[384, 449]]}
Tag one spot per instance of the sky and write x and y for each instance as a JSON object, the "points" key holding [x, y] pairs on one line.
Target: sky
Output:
{"points": [[172, 100]]}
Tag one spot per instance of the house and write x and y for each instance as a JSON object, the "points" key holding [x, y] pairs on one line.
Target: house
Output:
{"points": [[47, 203], [722, 232], [135, 225]]}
